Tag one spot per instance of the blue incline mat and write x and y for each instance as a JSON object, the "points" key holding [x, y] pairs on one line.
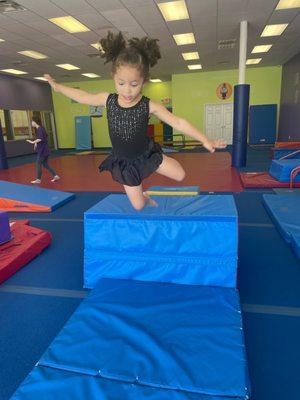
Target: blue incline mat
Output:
{"points": [[127, 337], [281, 152], [281, 169], [188, 239], [285, 212], [35, 195]]}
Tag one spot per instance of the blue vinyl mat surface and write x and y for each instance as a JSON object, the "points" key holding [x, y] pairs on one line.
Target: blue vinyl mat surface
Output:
{"points": [[156, 335], [180, 241], [28, 323], [35, 195], [285, 212]]}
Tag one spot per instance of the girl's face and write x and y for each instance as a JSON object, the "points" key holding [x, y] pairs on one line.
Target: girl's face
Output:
{"points": [[34, 124], [128, 83]]}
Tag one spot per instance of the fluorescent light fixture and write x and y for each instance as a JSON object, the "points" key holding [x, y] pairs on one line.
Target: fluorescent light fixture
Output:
{"points": [[184, 38], [40, 78], [285, 4], [262, 48], [69, 67], [97, 46], [33, 54], [174, 10], [195, 66], [155, 80], [91, 75], [14, 71], [2, 40], [252, 61], [191, 56], [274, 30], [69, 24]]}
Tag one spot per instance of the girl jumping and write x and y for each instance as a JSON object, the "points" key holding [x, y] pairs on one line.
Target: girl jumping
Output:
{"points": [[134, 155]]}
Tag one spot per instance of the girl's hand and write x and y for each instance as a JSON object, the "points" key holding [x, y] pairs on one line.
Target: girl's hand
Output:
{"points": [[29, 141], [212, 145], [35, 145], [51, 82]]}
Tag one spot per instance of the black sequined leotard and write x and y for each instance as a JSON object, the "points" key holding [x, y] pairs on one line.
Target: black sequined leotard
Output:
{"points": [[134, 155]]}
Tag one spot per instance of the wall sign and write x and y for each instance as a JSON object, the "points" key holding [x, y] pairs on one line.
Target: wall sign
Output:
{"points": [[224, 91]]}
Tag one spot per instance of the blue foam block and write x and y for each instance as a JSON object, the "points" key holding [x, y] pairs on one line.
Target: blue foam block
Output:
{"points": [[281, 169], [35, 195], [169, 341], [188, 239], [284, 151], [284, 210]]}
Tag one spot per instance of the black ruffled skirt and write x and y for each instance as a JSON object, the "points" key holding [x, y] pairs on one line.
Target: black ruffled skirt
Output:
{"points": [[132, 171]]}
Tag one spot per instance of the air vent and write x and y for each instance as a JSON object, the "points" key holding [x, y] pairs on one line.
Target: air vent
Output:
{"points": [[7, 6], [93, 55], [226, 44], [19, 63]]}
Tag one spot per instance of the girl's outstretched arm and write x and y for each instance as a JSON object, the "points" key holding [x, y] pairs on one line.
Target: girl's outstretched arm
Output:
{"points": [[98, 99], [184, 126]]}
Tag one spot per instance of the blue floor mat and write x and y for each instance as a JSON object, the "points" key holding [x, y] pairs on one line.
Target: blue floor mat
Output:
{"points": [[285, 212], [143, 333], [28, 325], [81, 387], [273, 350], [34, 195], [250, 208], [268, 270], [61, 264]]}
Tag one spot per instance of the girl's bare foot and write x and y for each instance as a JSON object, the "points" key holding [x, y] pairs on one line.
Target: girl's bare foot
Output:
{"points": [[150, 201]]}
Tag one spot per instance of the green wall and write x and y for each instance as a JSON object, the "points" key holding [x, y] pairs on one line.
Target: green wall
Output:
{"points": [[65, 111], [189, 92]]}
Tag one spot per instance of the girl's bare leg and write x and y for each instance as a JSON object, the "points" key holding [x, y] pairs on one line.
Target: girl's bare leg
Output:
{"points": [[138, 198], [171, 169]]}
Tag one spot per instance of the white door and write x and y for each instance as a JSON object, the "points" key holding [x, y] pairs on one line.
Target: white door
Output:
{"points": [[219, 121]]}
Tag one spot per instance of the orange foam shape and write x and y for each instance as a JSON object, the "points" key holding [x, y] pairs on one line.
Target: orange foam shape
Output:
{"points": [[21, 206]]}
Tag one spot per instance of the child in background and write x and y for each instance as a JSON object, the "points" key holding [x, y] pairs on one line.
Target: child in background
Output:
{"points": [[134, 155], [43, 151]]}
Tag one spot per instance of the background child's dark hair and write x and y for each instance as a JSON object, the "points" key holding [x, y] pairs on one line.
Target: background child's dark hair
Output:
{"points": [[37, 120], [139, 53]]}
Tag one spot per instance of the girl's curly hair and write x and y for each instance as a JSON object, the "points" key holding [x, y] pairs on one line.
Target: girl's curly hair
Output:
{"points": [[140, 53]]}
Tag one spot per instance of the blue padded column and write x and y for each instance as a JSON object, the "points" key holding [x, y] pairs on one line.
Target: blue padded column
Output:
{"points": [[3, 159], [240, 125]]}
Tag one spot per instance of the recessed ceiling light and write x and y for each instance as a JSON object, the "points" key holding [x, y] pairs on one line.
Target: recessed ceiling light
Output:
{"points": [[33, 54], [155, 80], [184, 38], [69, 67], [14, 71], [285, 4], [2, 40], [69, 24], [41, 78], [191, 56], [174, 10], [195, 66], [91, 75], [97, 46], [251, 61], [274, 30], [262, 48]]}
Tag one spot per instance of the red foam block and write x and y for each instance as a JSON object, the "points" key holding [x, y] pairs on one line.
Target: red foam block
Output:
{"points": [[26, 244]]}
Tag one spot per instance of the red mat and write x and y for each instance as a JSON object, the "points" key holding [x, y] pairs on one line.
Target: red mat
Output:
{"points": [[211, 172], [262, 180], [26, 244]]}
